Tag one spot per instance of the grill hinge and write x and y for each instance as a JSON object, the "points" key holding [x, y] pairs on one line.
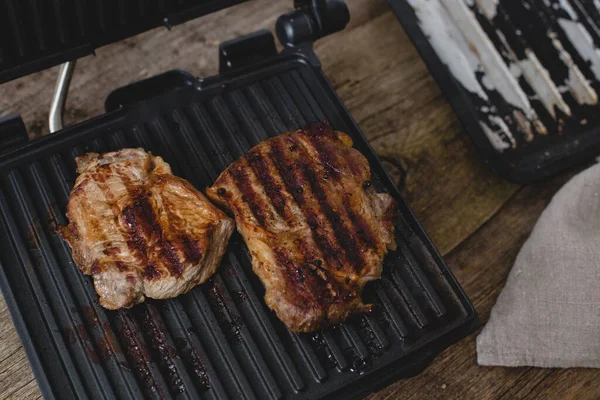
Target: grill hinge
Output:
{"points": [[153, 87], [246, 50], [313, 19], [12, 132]]}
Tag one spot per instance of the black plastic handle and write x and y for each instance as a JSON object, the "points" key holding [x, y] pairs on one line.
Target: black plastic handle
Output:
{"points": [[246, 50], [313, 19], [151, 87]]}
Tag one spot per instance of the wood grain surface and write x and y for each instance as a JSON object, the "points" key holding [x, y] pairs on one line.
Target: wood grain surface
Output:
{"points": [[477, 220]]}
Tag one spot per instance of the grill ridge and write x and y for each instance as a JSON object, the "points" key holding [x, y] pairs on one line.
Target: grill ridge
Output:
{"points": [[226, 363], [80, 12], [193, 351], [307, 355], [140, 361], [117, 140], [100, 14], [263, 108], [37, 25], [411, 272], [399, 294], [335, 350], [60, 26], [14, 17], [38, 34], [82, 328], [394, 317], [297, 98], [276, 90], [58, 346], [246, 348], [172, 367], [309, 98], [375, 331]]}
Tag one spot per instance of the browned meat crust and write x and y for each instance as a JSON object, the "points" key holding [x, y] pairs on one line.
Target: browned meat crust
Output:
{"points": [[316, 229], [139, 230]]}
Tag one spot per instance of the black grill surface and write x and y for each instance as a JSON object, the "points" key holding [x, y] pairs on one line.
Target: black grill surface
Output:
{"points": [[220, 340]]}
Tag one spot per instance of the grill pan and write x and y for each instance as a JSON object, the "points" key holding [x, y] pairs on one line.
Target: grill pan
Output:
{"points": [[527, 40], [219, 340]]}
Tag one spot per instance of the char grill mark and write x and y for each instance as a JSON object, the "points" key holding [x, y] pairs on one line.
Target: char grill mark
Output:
{"points": [[332, 165], [326, 157], [191, 248], [311, 284], [186, 244], [241, 178], [299, 281], [135, 243], [342, 235], [111, 250], [151, 272], [271, 180], [295, 283], [263, 170], [294, 180], [363, 229], [316, 129], [170, 253], [95, 268], [121, 266], [134, 218], [144, 227], [339, 220]]}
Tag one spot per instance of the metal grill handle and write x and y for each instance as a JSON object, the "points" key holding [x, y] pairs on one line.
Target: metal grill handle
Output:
{"points": [[61, 91]]}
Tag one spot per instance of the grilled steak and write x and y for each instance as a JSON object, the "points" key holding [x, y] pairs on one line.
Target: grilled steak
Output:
{"points": [[316, 229], [139, 230]]}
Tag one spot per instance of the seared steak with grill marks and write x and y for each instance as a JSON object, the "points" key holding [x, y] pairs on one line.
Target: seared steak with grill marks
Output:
{"points": [[139, 230], [316, 229]]}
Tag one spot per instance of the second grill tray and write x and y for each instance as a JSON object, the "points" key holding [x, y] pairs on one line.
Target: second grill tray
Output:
{"points": [[219, 340]]}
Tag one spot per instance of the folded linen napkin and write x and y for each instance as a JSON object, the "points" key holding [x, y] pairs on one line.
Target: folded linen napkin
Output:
{"points": [[548, 314]]}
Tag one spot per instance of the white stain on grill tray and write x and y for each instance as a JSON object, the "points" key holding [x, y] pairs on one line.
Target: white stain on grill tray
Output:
{"points": [[497, 72], [565, 5], [488, 7], [583, 43], [536, 76], [580, 37], [464, 65], [539, 79], [496, 137], [448, 43], [578, 85], [580, 88], [484, 66]]}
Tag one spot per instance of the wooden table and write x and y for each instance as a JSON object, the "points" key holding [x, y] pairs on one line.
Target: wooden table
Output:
{"points": [[477, 220]]}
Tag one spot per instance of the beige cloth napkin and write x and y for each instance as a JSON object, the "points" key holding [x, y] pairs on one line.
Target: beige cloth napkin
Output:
{"points": [[548, 314]]}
